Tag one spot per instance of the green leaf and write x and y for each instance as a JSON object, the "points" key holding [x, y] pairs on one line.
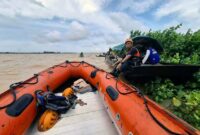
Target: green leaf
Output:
{"points": [[197, 117], [176, 102]]}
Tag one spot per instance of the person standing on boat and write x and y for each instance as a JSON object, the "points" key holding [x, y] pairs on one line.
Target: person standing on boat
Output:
{"points": [[132, 57]]}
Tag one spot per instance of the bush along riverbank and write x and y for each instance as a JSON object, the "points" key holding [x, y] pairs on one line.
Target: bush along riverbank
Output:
{"points": [[179, 48]]}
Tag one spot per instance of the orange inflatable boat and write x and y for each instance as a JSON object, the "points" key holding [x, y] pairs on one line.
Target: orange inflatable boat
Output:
{"points": [[131, 111]]}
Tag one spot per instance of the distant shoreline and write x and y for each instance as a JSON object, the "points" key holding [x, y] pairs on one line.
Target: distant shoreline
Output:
{"points": [[47, 52], [36, 53]]}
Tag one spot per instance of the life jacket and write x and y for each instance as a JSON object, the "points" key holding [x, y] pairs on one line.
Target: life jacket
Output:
{"points": [[136, 58], [137, 54]]}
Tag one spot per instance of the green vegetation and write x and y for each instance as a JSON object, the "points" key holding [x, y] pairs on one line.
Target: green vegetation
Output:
{"points": [[181, 48], [183, 100]]}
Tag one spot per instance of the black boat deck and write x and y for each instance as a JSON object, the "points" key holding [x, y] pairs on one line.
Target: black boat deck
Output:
{"points": [[176, 72]]}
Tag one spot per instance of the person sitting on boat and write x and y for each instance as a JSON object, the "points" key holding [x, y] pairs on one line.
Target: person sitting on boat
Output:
{"points": [[132, 57], [151, 56]]}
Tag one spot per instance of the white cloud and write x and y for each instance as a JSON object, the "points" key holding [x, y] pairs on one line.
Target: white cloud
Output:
{"points": [[69, 22], [53, 36], [88, 6], [137, 6], [48, 9], [25, 8], [76, 31], [183, 11], [126, 23], [88, 11]]}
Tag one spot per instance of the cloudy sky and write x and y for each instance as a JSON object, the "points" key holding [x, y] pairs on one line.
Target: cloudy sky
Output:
{"points": [[87, 25]]}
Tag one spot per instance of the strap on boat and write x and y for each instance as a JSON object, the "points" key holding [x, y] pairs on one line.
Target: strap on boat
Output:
{"points": [[19, 84]]}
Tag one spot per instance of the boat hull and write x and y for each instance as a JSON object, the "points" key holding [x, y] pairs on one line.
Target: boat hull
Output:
{"points": [[124, 104]]}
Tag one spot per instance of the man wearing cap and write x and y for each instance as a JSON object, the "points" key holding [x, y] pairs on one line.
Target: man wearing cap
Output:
{"points": [[133, 52]]}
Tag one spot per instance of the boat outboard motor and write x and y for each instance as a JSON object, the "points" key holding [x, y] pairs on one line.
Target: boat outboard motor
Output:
{"points": [[48, 100]]}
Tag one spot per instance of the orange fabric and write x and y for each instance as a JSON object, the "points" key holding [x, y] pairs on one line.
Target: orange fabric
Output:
{"points": [[127, 111], [138, 53], [67, 92]]}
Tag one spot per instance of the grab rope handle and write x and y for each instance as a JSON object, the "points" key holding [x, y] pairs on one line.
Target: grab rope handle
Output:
{"points": [[18, 84]]}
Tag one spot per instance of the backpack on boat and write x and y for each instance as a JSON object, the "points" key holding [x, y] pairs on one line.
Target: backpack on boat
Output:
{"points": [[60, 104], [154, 57], [151, 56]]}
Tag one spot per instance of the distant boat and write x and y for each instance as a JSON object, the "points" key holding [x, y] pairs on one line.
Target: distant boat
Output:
{"points": [[101, 55], [49, 52], [81, 54]]}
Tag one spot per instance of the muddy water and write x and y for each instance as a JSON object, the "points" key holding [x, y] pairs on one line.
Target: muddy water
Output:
{"points": [[19, 67]]}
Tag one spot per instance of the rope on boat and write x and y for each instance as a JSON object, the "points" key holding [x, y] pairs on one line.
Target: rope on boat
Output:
{"points": [[139, 92], [19, 84]]}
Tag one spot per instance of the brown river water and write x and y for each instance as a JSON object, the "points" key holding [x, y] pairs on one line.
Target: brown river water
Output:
{"points": [[19, 67]]}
